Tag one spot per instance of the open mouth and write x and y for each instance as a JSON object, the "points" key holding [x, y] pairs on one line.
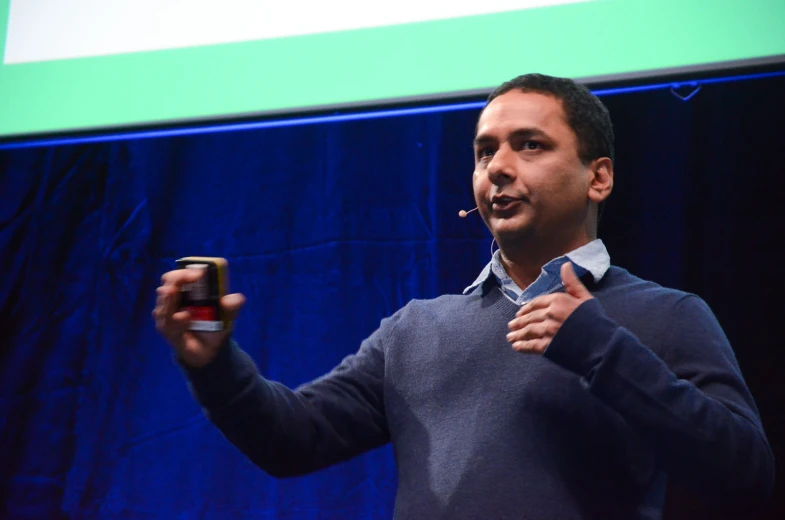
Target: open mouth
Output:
{"points": [[504, 203]]}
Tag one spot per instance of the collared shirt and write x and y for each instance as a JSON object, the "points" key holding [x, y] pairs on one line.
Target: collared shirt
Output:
{"points": [[590, 258]]}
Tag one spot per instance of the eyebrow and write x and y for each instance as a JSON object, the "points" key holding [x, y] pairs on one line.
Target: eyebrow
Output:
{"points": [[521, 133]]}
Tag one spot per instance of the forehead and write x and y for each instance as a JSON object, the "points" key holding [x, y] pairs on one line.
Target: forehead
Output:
{"points": [[514, 110]]}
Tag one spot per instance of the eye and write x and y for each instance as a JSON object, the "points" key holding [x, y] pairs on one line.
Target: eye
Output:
{"points": [[532, 145], [485, 153]]}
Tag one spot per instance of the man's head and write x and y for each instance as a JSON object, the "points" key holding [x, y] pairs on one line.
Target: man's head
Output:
{"points": [[543, 162], [585, 113]]}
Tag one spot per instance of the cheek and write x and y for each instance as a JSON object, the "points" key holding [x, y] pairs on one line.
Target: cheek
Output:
{"points": [[565, 178], [567, 192], [480, 185]]}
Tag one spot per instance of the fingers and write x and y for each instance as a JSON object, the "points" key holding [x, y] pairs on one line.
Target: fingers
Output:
{"points": [[533, 346], [231, 305], [572, 284], [169, 320], [181, 318], [533, 316], [176, 326], [193, 349], [536, 323], [180, 277], [539, 330], [170, 324], [166, 303], [168, 294], [168, 299], [541, 302]]}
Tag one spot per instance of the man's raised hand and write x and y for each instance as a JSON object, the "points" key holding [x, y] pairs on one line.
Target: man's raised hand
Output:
{"points": [[195, 349], [537, 322]]}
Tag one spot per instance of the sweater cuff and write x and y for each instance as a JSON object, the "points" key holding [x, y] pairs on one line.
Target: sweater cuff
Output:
{"points": [[221, 381], [582, 339]]}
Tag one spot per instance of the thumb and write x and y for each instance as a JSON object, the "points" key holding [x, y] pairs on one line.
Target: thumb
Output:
{"points": [[573, 284], [231, 305]]}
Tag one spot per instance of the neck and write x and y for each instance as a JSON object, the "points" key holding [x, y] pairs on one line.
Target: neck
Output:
{"points": [[524, 263]]}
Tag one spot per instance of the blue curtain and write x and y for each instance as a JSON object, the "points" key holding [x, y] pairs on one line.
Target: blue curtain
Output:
{"points": [[327, 228]]}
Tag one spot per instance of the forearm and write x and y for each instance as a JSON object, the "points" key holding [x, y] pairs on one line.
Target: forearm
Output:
{"points": [[285, 432], [243, 406], [707, 436]]}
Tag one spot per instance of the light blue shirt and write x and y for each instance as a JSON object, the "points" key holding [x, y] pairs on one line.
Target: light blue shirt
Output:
{"points": [[590, 258]]}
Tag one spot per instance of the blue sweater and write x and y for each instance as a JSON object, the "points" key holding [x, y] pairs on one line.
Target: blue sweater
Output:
{"points": [[639, 386]]}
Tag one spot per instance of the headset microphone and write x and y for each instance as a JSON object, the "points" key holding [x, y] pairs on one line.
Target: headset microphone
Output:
{"points": [[463, 213]]}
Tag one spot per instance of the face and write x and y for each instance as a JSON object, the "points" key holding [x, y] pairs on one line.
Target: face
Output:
{"points": [[529, 183]]}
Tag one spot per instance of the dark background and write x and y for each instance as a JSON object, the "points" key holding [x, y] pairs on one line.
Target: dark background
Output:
{"points": [[327, 229]]}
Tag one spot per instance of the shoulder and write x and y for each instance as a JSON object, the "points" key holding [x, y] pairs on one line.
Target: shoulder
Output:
{"points": [[669, 321], [619, 285], [627, 297]]}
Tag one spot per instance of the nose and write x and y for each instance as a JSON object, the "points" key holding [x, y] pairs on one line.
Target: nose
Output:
{"points": [[500, 167]]}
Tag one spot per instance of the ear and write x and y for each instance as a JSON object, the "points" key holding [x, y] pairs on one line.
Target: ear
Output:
{"points": [[600, 179]]}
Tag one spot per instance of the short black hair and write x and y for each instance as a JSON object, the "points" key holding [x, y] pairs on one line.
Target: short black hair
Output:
{"points": [[586, 114]]}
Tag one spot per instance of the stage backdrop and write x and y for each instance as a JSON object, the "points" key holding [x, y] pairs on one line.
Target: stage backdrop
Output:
{"points": [[327, 228]]}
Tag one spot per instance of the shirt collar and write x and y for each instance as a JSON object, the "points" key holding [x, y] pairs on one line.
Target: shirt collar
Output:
{"points": [[590, 258]]}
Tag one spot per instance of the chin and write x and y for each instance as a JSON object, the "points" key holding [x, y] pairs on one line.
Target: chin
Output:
{"points": [[513, 224], [512, 234]]}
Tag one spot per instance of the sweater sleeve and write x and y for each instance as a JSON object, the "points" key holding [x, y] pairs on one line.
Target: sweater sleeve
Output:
{"points": [[691, 404], [293, 432]]}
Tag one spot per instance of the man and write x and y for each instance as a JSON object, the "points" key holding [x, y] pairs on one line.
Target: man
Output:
{"points": [[557, 386]]}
